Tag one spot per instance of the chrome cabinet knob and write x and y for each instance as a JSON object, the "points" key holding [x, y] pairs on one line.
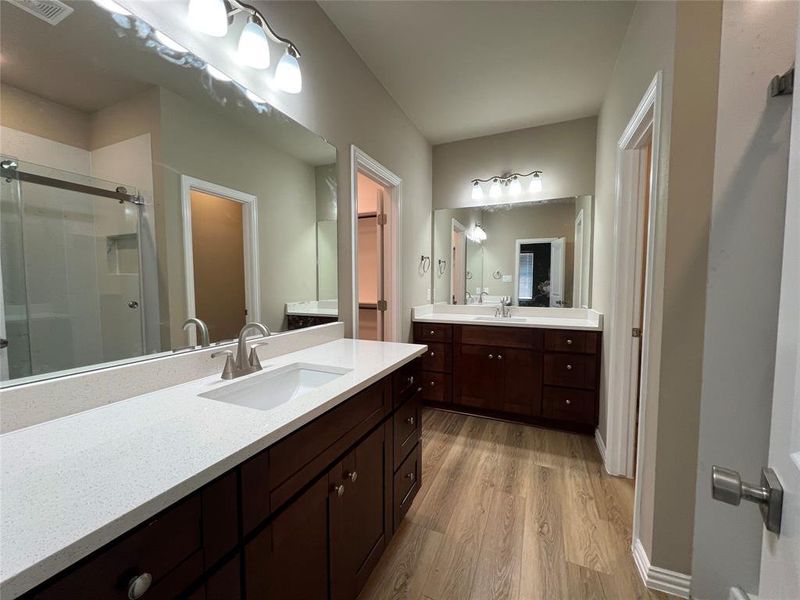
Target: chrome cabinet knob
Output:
{"points": [[410, 380], [569, 341], [338, 489], [569, 367], [411, 420], [433, 354], [433, 383], [433, 332], [491, 356], [499, 357], [411, 476], [567, 401], [138, 586], [351, 475]]}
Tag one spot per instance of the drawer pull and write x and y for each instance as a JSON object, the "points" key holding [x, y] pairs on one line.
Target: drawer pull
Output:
{"points": [[433, 383], [499, 357], [433, 354], [138, 586], [491, 356], [569, 341], [411, 421], [410, 380], [411, 476], [433, 332], [568, 401], [569, 367], [338, 489], [351, 475]]}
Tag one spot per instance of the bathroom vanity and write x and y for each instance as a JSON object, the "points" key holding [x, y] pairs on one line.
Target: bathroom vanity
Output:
{"points": [[539, 370], [298, 501]]}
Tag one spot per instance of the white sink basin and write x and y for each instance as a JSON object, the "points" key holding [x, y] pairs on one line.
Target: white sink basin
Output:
{"points": [[273, 388], [502, 319]]}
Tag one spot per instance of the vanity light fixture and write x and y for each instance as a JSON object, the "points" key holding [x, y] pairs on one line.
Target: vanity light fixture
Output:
{"points": [[510, 181], [112, 7], [209, 17], [214, 16]]}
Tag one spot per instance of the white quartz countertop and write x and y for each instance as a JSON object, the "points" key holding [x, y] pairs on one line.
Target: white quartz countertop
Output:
{"points": [[587, 323], [73, 484]]}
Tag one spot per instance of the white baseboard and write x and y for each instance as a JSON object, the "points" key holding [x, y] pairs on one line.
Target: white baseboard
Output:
{"points": [[601, 446], [656, 578]]}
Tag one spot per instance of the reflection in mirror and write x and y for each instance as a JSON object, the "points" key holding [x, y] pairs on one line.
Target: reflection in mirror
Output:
{"points": [[535, 253], [138, 191]]}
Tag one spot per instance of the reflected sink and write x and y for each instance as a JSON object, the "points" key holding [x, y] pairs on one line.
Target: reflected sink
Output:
{"points": [[502, 319], [273, 388]]}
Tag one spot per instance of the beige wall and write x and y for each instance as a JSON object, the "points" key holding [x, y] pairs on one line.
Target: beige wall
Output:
{"points": [[682, 41], [564, 152], [343, 102], [32, 114]]}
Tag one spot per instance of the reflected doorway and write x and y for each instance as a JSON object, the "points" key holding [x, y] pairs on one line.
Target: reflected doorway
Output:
{"points": [[373, 218], [220, 254]]}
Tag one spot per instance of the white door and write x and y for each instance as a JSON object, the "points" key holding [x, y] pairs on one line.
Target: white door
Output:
{"points": [[780, 554], [557, 247]]}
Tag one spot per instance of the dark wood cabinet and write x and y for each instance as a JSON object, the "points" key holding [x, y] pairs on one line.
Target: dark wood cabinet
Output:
{"points": [[305, 519], [543, 376], [358, 519], [288, 559], [303, 321]]}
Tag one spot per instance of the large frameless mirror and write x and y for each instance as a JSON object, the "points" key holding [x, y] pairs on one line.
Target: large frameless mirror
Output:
{"points": [[537, 254], [141, 189]]}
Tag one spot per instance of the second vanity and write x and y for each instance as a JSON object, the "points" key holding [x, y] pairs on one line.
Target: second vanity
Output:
{"points": [[194, 492], [536, 366]]}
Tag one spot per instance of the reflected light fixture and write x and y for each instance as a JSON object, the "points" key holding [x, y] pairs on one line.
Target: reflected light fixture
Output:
{"points": [[536, 182], [167, 41], [253, 48], [510, 181], [477, 190], [216, 73], [494, 189], [476, 234], [112, 7], [209, 17], [287, 75]]}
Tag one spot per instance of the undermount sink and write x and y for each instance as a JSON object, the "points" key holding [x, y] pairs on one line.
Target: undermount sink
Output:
{"points": [[502, 319], [273, 388]]}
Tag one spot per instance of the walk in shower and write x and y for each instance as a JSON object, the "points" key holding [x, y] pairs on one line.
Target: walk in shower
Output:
{"points": [[71, 270]]}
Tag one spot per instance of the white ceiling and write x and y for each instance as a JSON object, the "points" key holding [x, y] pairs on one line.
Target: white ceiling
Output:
{"points": [[467, 69]]}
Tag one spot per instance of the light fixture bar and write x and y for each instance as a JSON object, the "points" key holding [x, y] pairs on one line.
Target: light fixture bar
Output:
{"points": [[505, 179], [237, 7]]}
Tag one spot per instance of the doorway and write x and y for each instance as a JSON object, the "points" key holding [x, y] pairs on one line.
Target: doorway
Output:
{"points": [[219, 254], [376, 235], [539, 272], [458, 262]]}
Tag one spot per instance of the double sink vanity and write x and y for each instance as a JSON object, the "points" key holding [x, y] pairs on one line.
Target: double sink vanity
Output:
{"points": [[287, 482]]}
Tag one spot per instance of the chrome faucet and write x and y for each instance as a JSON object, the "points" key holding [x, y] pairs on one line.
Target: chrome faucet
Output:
{"points": [[481, 295], [241, 363], [202, 330], [504, 308]]}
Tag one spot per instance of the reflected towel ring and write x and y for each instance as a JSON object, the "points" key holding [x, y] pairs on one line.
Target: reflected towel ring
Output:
{"points": [[425, 263], [469, 275], [497, 274], [442, 266]]}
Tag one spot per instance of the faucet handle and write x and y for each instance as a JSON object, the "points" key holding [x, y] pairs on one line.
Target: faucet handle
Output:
{"points": [[253, 359], [227, 371]]}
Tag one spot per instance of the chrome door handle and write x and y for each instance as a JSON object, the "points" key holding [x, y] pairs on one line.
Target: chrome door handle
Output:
{"points": [[727, 486], [138, 586]]}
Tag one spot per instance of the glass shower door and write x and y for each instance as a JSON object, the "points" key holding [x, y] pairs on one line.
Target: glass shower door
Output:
{"points": [[73, 264]]}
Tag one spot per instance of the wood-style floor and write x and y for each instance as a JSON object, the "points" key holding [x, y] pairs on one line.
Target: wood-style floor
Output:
{"points": [[508, 511]]}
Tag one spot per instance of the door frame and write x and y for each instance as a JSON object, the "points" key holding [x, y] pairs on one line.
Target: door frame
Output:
{"points": [[457, 227], [517, 245], [577, 269], [362, 162], [252, 286]]}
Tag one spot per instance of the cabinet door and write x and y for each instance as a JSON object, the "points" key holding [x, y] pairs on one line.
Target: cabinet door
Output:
{"points": [[358, 519], [522, 378], [478, 377], [288, 560]]}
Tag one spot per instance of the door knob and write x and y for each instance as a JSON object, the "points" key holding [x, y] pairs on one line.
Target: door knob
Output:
{"points": [[727, 486], [138, 586], [133, 304]]}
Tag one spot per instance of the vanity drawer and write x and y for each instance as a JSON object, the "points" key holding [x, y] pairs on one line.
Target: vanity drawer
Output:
{"points": [[570, 370], [561, 340], [436, 386], [406, 381], [406, 484], [506, 337], [566, 404], [407, 431], [438, 358], [168, 548], [433, 332]]}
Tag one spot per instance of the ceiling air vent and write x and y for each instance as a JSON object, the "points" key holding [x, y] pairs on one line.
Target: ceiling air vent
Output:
{"points": [[50, 11]]}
